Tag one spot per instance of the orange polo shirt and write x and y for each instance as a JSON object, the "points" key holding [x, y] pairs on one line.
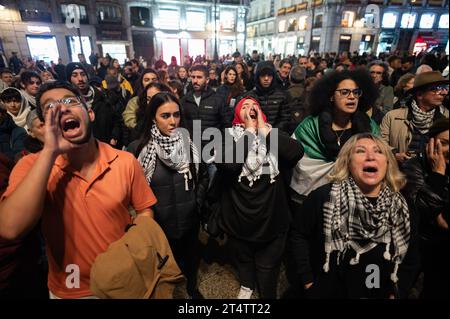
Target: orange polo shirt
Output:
{"points": [[82, 218]]}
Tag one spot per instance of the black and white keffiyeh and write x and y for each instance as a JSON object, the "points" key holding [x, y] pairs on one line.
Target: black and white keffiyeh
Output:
{"points": [[89, 97], [258, 159], [173, 151], [351, 221], [421, 120]]}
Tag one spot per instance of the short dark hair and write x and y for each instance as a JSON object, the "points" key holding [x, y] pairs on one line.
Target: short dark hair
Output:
{"points": [[200, 68], [26, 77], [51, 86], [5, 70], [10, 93], [285, 61], [392, 58]]}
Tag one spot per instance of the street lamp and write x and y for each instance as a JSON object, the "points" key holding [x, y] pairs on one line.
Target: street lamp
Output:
{"points": [[216, 55], [312, 26]]}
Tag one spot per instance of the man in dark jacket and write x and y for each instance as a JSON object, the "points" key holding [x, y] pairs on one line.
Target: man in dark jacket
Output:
{"points": [[274, 102], [15, 63], [107, 123], [60, 70], [298, 97], [202, 103], [427, 194]]}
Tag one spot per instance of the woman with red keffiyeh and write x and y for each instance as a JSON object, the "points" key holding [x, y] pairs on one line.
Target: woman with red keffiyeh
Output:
{"points": [[255, 213]]}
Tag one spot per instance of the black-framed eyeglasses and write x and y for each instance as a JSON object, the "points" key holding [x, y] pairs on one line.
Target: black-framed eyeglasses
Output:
{"points": [[346, 92], [438, 88]]}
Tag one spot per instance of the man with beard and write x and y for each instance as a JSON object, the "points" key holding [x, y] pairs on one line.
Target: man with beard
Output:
{"points": [[107, 126], [273, 101], [72, 187], [202, 103]]}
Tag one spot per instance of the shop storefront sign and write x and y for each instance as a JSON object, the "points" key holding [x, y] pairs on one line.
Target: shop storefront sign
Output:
{"points": [[38, 29]]}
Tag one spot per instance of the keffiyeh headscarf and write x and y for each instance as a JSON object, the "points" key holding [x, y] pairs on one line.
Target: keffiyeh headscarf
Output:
{"points": [[351, 221], [258, 157], [173, 151]]}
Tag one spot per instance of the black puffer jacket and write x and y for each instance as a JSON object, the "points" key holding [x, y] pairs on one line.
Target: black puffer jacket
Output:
{"points": [[176, 210], [274, 102], [212, 110]]}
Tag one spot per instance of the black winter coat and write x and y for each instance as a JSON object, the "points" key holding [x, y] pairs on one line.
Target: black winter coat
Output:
{"points": [[176, 209], [212, 110], [274, 104]]}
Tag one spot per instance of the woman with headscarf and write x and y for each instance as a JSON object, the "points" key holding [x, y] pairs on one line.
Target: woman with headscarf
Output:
{"points": [[351, 237], [16, 106], [255, 213]]}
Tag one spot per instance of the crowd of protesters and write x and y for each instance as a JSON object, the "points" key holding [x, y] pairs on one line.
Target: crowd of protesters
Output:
{"points": [[359, 177]]}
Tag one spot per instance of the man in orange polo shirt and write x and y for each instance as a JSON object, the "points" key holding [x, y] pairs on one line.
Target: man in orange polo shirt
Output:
{"points": [[79, 187]]}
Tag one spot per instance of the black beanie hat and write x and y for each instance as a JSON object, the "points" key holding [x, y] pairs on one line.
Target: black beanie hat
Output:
{"points": [[439, 126], [72, 66]]}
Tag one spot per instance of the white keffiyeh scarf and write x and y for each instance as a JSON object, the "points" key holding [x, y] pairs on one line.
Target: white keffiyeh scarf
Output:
{"points": [[257, 159], [351, 221], [173, 151]]}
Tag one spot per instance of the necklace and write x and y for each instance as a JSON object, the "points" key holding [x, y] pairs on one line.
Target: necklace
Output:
{"points": [[338, 137]]}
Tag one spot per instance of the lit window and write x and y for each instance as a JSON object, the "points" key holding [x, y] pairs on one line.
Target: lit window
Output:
{"points": [[427, 20], [302, 22], [389, 20], [408, 20], [227, 21], [282, 26], [443, 21], [169, 19], [348, 17], [195, 20]]}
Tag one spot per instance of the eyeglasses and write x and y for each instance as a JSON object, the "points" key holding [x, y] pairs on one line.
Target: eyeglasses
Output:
{"points": [[376, 72], [346, 92], [438, 88], [73, 101]]}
